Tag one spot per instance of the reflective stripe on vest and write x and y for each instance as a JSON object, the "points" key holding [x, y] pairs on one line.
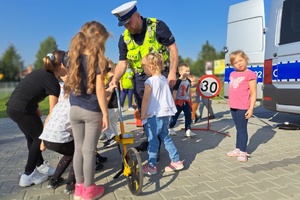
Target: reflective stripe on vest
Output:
{"points": [[150, 45]]}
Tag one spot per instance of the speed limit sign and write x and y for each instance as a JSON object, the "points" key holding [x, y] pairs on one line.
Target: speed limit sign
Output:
{"points": [[209, 86]]}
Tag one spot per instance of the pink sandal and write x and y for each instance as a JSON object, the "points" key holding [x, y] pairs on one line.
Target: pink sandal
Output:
{"points": [[243, 157], [234, 153]]}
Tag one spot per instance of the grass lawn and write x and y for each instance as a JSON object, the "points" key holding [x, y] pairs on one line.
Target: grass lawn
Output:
{"points": [[44, 106]]}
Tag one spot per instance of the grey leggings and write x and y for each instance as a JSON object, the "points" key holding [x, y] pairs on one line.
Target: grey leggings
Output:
{"points": [[86, 126]]}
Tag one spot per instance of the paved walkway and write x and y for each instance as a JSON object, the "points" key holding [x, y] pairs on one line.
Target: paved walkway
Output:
{"points": [[272, 172]]}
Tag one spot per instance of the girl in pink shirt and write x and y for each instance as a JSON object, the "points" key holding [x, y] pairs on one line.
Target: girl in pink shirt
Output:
{"points": [[242, 98]]}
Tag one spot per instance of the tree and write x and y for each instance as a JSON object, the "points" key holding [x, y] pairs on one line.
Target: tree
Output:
{"points": [[207, 53], [11, 65], [47, 46]]}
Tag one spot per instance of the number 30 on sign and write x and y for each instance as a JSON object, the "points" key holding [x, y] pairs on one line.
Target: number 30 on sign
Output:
{"points": [[209, 86]]}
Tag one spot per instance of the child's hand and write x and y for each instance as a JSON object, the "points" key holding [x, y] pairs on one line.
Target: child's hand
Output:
{"points": [[42, 146], [111, 88], [105, 124], [249, 114], [144, 116]]}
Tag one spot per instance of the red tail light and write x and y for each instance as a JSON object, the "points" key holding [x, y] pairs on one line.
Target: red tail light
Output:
{"points": [[268, 72]]}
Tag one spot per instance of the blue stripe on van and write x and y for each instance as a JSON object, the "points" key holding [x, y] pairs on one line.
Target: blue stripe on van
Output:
{"points": [[258, 69], [287, 71]]}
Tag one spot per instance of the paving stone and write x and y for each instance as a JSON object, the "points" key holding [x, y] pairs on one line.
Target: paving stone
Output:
{"points": [[272, 171], [222, 194], [263, 185], [270, 194]]}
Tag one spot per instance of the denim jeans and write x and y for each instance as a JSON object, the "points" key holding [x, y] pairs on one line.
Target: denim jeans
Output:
{"points": [[241, 128], [157, 127], [186, 108]]}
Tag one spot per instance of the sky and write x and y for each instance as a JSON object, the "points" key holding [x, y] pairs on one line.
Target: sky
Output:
{"points": [[27, 23]]}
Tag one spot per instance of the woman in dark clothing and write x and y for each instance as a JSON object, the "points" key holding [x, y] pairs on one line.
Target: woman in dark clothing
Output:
{"points": [[23, 108]]}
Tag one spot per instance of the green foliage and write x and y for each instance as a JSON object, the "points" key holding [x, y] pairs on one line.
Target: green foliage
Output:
{"points": [[47, 46], [3, 107], [11, 65], [207, 53], [44, 106]]}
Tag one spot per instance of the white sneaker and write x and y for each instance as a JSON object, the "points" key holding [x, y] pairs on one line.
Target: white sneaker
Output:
{"points": [[131, 109], [189, 133], [34, 178], [171, 131], [45, 168]]}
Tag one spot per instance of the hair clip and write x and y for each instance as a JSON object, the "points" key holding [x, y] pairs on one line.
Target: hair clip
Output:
{"points": [[51, 56]]}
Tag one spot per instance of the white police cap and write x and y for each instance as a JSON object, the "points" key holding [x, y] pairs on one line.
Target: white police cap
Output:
{"points": [[124, 12]]}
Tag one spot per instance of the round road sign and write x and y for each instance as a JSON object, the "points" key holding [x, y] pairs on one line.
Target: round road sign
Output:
{"points": [[209, 86]]}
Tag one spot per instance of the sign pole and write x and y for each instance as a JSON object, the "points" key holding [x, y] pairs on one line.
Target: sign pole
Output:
{"points": [[209, 86]]}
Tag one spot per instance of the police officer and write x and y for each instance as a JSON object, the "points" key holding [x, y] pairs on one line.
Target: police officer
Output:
{"points": [[143, 36]]}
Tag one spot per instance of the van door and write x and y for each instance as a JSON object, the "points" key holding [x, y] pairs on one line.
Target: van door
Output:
{"points": [[246, 31], [283, 51]]}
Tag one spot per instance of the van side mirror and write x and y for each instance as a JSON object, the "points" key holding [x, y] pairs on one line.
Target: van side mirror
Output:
{"points": [[225, 49]]}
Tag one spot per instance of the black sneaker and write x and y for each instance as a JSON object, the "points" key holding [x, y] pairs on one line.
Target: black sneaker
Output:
{"points": [[54, 183], [212, 117], [70, 187], [196, 119], [103, 137], [99, 166], [100, 159], [143, 146], [110, 143]]}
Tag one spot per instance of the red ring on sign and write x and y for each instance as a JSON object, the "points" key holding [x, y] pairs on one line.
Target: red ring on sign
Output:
{"points": [[215, 79]]}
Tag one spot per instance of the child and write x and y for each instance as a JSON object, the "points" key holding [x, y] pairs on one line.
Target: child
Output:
{"points": [[88, 113], [57, 136], [194, 97], [113, 114], [126, 83], [242, 98], [157, 106], [181, 94], [23, 108]]}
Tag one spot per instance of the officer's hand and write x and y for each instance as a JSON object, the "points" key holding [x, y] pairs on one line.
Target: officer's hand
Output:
{"points": [[171, 80]]}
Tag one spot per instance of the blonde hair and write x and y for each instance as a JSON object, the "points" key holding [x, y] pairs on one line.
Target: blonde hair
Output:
{"points": [[181, 66], [191, 76], [237, 53], [90, 40], [111, 65], [156, 60]]}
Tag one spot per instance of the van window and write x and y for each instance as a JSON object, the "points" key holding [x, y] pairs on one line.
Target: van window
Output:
{"points": [[290, 22]]}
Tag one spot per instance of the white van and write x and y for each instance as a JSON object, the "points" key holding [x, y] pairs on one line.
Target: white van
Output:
{"points": [[278, 46]]}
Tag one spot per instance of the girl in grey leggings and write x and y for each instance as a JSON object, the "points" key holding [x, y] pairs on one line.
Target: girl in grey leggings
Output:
{"points": [[86, 130]]}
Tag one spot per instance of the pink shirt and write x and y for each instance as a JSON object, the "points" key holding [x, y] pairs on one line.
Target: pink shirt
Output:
{"points": [[239, 90]]}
